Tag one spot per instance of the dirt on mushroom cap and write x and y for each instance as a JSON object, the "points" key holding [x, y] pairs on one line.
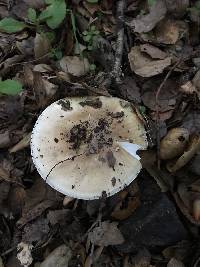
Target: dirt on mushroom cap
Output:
{"points": [[87, 135]]}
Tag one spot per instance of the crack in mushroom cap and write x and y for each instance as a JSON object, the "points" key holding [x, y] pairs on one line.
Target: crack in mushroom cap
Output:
{"points": [[75, 146]]}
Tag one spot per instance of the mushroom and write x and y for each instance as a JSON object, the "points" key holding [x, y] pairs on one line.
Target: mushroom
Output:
{"points": [[85, 147]]}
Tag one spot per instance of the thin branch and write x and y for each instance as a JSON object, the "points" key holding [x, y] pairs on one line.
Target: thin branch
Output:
{"points": [[116, 73]]}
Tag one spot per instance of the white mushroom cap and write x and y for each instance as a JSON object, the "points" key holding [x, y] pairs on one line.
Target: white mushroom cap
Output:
{"points": [[84, 146]]}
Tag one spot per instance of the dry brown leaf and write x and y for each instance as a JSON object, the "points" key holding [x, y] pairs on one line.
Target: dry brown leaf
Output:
{"points": [[153, 51], [22, 144], [16, 199], [175, 263], [188, 88], [5, 140], [42, 45], [174, 143], [196, 83], [177, 7], [42, 68], [91, 7], [167, 32], [120, 213], [144, 66], [145, 23], [192, 149], [67, 200], [26, 47], [107, 234], [43, 89], [74, 65], [34, 213]]}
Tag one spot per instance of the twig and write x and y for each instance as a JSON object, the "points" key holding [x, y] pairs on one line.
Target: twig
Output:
{"points": [[157, 109], [116, 73]]}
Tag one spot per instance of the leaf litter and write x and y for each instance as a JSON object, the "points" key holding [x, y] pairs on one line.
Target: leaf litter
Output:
{"points": [[49, 51]]}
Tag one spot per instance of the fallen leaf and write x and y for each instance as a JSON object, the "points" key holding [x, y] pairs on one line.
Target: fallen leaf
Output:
{"points": [[187, 88], [193, 147], [192, 122], [16, 199], [74, 65], [175, 263], [177, 8], [144, 66], [174, 143], [26, 47], [37, 4], [142, 259], [121, 213], [130, 90], [59, 216], [145, 23], [42, 45], [196, 83], [58, 257], [42, 68], [167, 32], [24, 256], [34, 213], [153, 51], [106, 234], [166, 100], [35, 231], [5, 140], [43, 89], [22, 144], [67, 200]]}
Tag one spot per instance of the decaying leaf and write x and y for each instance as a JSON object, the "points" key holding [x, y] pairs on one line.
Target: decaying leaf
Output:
{"points": [[153, 51], [74, 65], [34, 232], [58, 257], [145, 23], [22, 144], [42, 45], [43, 89], [167, 32], [121, 213], [175, 263], [42, 68], [106, 234], [177, 8], [174, 143], [188, 88], [144, 66], [196, 83], [193, 147], [24, 256]]}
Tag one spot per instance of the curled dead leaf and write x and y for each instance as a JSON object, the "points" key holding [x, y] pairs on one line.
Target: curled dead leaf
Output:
{"points": [[42, 45], [106, 234], [174, 143], [145, 23], [75, 65], [153, 51], [143, 65], [22, 144], [192, 149]]}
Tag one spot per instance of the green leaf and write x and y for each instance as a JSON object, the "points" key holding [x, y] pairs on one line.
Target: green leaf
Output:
{"points": [[11, 25], [87, 38], [151, 2], [32, 15], [10, 87], [93, 28], [54, 14], [93, 1], [93, 67]]}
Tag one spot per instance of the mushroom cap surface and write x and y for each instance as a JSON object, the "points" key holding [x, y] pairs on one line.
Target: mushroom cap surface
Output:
{"points": [[78, 146]]}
